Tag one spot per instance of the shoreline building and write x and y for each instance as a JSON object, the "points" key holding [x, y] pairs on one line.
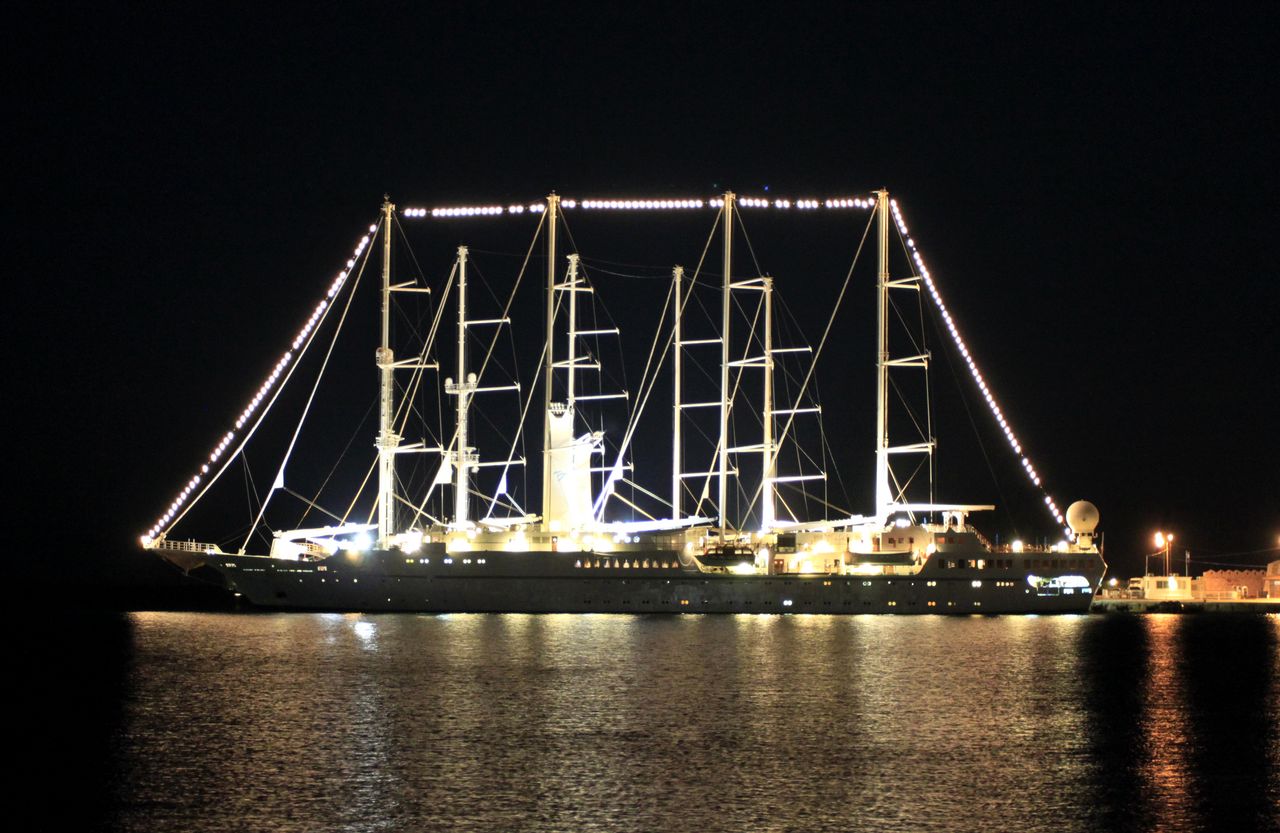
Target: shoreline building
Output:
{"points": [[1246, 584], [1271, 581]]}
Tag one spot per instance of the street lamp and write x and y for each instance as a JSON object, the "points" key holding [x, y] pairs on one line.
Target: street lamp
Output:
{"points": [[1164, 541]]}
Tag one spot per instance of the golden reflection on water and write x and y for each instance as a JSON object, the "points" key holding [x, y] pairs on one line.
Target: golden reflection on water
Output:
{"points": [[1165, 721], [606, 722]]}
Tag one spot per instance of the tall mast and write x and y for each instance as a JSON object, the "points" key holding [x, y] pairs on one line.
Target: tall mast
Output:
{"points": [[387, 437], [767, 450], [553, 209], [571, 360], [677, 363], [886, 497], [883, 495], [725, 308], [464, 388]]}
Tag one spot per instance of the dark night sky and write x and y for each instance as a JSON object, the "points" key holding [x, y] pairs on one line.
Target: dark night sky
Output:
{"points": [[1095, 189]]}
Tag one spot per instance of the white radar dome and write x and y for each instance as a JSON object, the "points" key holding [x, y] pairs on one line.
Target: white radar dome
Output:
{"points": [[1082, 517]]}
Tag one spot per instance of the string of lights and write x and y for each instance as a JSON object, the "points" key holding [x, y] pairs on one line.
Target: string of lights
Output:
{"points": [[973, 367], [639, 204], [643, 204], [171, 513]]}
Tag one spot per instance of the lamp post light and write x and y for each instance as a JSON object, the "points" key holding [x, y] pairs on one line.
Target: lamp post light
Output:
{"points": [[1164, 541]]}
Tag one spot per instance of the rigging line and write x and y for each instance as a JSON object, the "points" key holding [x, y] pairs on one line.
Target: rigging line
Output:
{"points": [[928, 397], [634, 485], [913, 253], [510, 503], [293, 441], [787, 506], [506, 312], [634, 420], [739, 489], [738, 375], [633, 265], [737, 215], [925, 433], [634, 507], [401, 417], [689, 294], [250, 491], [252, 486], [524, 412], [437, 315], [415, 381], [483, 281], [495, 252], [598, 306], [537, 232], [906, 406], [597, 268], [826, 454], [973, 424], [574, 245], [906, 484], [262, 414], [313, 504], [826, 503], [341, 456], [416, 265], [412, 255], [519, 438], [415, 378], [791, 418], [916, 345], [404, 408], [427, 347], [409, 504]]}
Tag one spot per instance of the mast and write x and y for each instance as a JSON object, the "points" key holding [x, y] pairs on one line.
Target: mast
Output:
{"points": [[767, 450], [553, 209], [677, 364], [883, 495], [387, 437], [886, 498], [722, 472], [464, 387], [572, 354]]}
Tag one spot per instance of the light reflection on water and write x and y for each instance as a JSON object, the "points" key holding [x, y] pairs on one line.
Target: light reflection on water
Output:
{"points": [[565, 722]]}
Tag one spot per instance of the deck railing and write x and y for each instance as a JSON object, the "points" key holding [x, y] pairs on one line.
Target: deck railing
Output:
{"points": [[184, 546]]}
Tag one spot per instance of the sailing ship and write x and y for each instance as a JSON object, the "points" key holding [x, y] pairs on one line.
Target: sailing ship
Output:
{"points": [[905, 556]]}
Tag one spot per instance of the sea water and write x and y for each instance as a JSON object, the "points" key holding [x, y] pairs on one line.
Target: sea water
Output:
{"points": [[313, 722]]}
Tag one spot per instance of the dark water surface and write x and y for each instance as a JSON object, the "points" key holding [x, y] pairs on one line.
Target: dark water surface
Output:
{"points": [[297, 722]]}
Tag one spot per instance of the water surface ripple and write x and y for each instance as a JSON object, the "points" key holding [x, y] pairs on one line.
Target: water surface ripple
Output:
{"points": [[297, 722]]}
